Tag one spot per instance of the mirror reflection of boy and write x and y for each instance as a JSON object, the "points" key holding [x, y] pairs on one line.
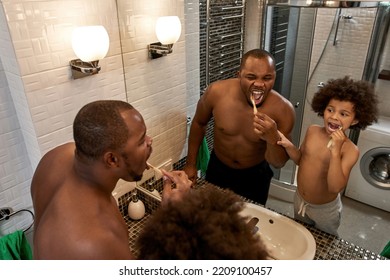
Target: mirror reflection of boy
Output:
{"points": [[326, 155]]}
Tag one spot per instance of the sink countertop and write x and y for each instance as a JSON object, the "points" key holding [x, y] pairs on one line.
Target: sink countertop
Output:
{"points": [[328, 247]]}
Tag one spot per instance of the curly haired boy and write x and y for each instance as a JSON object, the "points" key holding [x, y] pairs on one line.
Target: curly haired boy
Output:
{"points": [[205, 225], [326, 155]]}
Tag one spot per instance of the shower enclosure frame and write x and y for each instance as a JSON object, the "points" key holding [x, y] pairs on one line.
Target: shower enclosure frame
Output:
{"points": [[285, 177]]}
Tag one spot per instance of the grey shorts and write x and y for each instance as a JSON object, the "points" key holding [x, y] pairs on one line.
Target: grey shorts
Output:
{"points": [[325, 217]]}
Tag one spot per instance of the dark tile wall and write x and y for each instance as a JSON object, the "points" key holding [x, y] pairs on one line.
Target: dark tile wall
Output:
{"points": [[226, 27]]}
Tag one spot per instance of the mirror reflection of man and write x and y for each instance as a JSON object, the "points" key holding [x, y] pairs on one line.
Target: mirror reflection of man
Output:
{"points": [[244, 141]]}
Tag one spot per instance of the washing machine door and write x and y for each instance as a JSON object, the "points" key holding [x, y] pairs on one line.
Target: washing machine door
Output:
{"points": [[375, 167]]}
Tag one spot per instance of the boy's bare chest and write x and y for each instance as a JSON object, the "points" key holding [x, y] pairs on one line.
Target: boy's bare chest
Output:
{"points": [[316, 152]]}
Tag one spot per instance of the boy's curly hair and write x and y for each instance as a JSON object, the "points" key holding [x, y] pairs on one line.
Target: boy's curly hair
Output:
{"points": [[204, 225], [360, 93]]}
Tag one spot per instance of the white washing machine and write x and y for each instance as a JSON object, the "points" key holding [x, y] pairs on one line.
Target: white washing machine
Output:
{"points": [[369, 181]]}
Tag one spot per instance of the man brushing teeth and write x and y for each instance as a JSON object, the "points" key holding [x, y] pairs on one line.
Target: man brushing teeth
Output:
{"points": [[257, 96], [247, 115]]}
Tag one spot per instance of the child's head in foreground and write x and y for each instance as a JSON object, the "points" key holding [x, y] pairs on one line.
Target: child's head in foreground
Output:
{"points": [[205, 225], [360, 94]]}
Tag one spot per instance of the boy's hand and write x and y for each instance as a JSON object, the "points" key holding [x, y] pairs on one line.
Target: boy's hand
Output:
{"points": [[284, 142], [337, 138]]}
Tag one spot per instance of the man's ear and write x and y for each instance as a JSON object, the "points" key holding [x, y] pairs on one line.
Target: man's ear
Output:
{"points": [[111, 159]]}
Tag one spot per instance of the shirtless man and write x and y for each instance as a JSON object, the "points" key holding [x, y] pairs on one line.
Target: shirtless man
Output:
{"points": [[244, 142], [326, 155], [76, 215]]}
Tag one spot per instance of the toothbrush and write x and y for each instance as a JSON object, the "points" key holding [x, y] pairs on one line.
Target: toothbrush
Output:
{"points": [[330, 143], [157, 170], [254, 105]]}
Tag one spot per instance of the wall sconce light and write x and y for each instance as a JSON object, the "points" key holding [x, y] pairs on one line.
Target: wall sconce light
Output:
{"points": [[90, 43], [168, 31]]}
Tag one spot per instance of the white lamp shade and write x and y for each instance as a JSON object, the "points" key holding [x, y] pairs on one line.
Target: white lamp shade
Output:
{"points": [[168, 29], [90, 43]]}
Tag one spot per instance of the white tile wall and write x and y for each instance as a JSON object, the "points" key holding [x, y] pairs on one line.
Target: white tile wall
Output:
{"points": [[35, 52], [347, 57], [164, 90], [15, 167]]}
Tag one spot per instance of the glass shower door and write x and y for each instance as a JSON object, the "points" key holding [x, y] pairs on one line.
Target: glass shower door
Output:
{"points": [[313, 44]]}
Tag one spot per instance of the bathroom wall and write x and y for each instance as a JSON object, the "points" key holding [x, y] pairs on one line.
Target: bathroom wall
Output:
{"points": [[15, 168], [383, 86], [164, 90], [39, 99], [347, 57]]}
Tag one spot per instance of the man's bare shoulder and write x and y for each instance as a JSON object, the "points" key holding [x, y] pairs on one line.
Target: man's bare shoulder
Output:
{"points": [[279, 103], [51, 157], [222, 86], [277, 97], [54, 163]]}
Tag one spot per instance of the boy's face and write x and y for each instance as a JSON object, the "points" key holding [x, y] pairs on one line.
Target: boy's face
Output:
{"points": [[339, 114]]}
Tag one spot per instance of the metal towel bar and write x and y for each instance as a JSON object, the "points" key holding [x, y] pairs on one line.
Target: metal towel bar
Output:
{"points": [[225, 70], [5, 215], [217, 47], [228, 17], [229, 61], [227, 8], [229, 53], [221, 37]]}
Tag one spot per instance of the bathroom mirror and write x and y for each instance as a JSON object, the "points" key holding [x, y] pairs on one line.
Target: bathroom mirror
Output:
{"points": [[314, 41], [324, 39]]}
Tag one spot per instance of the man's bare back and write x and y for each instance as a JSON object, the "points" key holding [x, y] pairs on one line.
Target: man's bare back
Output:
{"points": [[76, 214], [63, 203]]}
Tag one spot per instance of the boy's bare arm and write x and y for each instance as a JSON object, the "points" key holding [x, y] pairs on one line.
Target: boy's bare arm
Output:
{"points": [[293, 152], [340, 166]]}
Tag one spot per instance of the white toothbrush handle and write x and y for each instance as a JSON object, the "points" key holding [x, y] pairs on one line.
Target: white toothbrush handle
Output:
{"points": [[330, 143]]}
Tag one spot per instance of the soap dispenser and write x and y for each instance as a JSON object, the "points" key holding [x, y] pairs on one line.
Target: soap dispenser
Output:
{"points": [[136, 208], [152, 189]]}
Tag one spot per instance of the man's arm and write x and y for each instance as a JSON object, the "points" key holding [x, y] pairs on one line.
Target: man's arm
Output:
{"points": [[268, 130], [197, 132]]}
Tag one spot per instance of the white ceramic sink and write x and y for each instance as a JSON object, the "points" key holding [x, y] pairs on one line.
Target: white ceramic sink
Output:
{"points": [[284, 238]]}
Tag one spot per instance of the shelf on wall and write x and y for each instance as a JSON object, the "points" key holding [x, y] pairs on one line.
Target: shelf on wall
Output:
{"points": [[384, 75]]}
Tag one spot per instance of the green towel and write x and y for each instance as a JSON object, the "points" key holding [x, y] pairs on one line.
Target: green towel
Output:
{"points": [[386, 251], [15, 246], [203, 157]]}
